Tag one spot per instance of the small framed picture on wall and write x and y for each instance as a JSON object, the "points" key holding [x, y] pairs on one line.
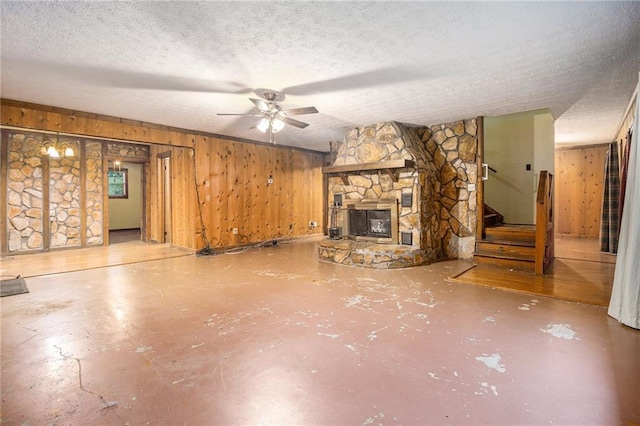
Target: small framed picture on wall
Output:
{"points": [[118, 183]]}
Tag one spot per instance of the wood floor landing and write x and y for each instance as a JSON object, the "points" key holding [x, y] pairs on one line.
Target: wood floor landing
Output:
{"points": [[55, 262], [582, 275]]}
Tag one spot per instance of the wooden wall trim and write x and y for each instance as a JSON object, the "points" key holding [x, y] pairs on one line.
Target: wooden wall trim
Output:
{"points": [[479, 181], [83, 193], [146, 208], [4, 153], [629, 114], [595, 145], [105, 196], [46, 206], [26, 115]]}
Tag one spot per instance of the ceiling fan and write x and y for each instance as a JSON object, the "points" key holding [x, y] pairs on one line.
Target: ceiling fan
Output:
{"points": [[273, 116]]}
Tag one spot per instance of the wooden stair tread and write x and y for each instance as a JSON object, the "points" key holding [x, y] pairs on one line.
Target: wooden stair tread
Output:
{"points": [[506, 233], [508, 243], [512, 256], [528, 265], [501, 229]]}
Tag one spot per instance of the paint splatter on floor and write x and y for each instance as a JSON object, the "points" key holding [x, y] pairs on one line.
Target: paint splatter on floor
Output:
{"points": [[353, 301], [486, 387], [561, 331], [493, 362], [378, 420], [278, 274], [331, 336], [374, 334]]}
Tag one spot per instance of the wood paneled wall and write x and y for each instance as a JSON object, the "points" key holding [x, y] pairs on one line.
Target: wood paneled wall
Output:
{"points": [[579, 188], [42, 117], [234, 190], [627, 122], [231, 178], [182, 196]]}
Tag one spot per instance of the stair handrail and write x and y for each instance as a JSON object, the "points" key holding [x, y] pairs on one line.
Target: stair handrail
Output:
{"points": [[544, 223]]}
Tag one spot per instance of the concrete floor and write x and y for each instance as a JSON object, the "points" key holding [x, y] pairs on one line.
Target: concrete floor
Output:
{"points": [[273, 336]]}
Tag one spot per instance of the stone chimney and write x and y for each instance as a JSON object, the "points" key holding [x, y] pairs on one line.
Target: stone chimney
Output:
{"points": [[428, 170]]}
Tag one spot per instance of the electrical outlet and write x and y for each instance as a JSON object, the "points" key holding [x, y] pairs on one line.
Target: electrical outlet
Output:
{"points": [[234, 231], [313, 224], [471, 187]]}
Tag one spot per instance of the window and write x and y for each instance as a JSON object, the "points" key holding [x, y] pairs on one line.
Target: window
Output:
{"points": [[118, 183]]}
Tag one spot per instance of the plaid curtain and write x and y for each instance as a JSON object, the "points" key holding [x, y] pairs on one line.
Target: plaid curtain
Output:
{"points": [[610, 221], [624, 170]]}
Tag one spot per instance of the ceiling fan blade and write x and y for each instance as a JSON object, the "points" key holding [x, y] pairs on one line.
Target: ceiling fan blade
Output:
{"points": [[113, 78], [291, 121], [300, 111], [245, 115], [383, 76], [262, 105]]}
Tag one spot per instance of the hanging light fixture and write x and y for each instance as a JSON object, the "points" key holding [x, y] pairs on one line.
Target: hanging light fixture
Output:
{"points": [[57, 150], [53, 152]]}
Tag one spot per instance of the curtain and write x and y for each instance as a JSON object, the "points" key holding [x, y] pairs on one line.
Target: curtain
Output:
{"points": [[625, 296], [610, 220], [624, 169]]}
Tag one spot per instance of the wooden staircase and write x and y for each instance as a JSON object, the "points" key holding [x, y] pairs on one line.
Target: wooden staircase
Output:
{"points": [[521, 247], [508, 246], [492, 217]]}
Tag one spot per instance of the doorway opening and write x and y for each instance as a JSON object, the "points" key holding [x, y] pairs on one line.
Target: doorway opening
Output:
{"points": [[126, 195]]}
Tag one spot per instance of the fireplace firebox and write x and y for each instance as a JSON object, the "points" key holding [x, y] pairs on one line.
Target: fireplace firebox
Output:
{"points": [[374, 220]]}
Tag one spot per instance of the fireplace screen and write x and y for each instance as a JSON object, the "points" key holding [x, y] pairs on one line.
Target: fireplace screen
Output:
{"points": [[370, 223], [372, 220]]}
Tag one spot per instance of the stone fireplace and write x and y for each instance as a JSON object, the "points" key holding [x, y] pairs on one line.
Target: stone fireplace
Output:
{"points": [[404, 195]]}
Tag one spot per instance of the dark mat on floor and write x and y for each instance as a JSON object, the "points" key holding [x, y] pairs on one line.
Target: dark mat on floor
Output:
{"points": [[13, 286]]}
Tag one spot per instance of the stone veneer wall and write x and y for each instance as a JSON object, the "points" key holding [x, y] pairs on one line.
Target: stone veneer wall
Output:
{"points": [[67, 179], [93, 191], [451, 212], [64, 198], [443, 215], [24, 193], [127, 150]]}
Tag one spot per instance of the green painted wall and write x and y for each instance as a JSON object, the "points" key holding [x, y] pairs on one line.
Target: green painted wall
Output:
{"points": [[511, 143], [127, 213]]}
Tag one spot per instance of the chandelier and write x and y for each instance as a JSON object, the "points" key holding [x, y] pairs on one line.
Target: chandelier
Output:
{"points": [[56, 149]]}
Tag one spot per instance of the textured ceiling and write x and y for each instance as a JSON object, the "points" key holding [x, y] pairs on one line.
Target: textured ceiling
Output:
{"points": [[181, 63]]}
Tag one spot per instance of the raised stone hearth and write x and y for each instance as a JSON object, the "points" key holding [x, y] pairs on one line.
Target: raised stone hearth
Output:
{"points": [[430, 172], [370, 255]]}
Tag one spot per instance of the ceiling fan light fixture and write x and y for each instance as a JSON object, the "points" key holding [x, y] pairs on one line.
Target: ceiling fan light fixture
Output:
{"points": [[276, 125], [263, 125]]}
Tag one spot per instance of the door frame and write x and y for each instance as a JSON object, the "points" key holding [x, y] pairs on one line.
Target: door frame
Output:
{"points": [[164, 194], [144, 186], [479, 180]]}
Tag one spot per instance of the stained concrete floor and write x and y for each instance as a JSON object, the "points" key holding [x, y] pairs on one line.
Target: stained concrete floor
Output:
{"points": [[273, 336]]}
